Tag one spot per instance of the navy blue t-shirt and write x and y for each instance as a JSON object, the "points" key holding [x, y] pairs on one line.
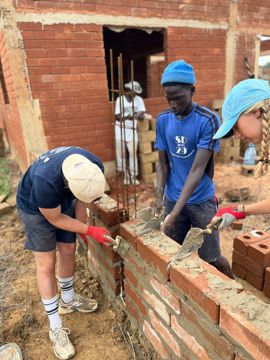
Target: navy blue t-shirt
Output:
{"points": [[181, 138], [42, 186]]}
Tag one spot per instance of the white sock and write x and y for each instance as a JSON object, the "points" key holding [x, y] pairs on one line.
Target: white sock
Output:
{"points": [[67, 289], [51, 308]]}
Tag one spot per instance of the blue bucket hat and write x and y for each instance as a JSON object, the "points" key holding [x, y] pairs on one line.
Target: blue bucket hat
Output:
{"points": [[178, 72], [242, 96]]}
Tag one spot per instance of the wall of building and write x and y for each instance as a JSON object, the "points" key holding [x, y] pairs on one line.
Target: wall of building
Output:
{"points": [[62, 44], [189, 311], [10, 120]]}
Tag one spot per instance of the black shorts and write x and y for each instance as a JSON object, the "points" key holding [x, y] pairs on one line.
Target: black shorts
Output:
{"points": [[42, 236]]}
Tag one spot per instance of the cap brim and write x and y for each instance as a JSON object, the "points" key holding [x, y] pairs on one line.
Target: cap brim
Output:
{"points": [[225, 128]]}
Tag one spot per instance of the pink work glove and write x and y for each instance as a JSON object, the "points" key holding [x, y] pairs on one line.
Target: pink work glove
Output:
{"points": [[228, 216], [98, 234]]}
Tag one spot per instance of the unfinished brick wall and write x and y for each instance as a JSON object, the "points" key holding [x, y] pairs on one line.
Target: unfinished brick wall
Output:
{"points": [[197, 9], [67, 74], [190, 311], [205, 50], [9, 116]]}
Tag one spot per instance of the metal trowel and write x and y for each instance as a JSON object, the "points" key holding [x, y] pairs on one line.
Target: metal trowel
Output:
{"points": [[194, 240], [120, 246]]}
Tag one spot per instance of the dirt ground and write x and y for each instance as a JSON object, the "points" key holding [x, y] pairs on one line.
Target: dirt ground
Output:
{"points": [[97, 335]]}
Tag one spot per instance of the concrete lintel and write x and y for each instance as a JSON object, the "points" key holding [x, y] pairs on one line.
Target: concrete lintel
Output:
{"points": [[47, 18]]}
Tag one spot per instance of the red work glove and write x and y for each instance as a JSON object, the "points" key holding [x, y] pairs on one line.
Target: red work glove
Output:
{"points": [[228, 216], [99, 234]]}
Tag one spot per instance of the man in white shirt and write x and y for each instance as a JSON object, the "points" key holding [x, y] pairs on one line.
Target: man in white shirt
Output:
{"points": [[126, 135]]}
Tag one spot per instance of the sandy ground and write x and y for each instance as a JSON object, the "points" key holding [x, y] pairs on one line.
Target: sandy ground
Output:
{"points": [[97, 335]]}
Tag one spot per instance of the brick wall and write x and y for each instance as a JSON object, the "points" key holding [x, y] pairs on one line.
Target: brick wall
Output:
{"points": [[9, 118], [244, 48], [67, 74], [190, 311], [205, 50], [197, 9]]}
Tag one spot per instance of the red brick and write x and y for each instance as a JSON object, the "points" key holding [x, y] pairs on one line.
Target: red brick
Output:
{"points": [[254, 280], [154, 339], [108, 214], [189, 341], [266, 290], [207, 334], [196, 286], [260, 252], [242, 241], [164, 332], [167, 295], [237, 225], [247, 263], [135, 262], [157, 305], [112, 255], [129, 231], [267, 274], [131, 309], [136, 299], [238, 270], [245, 322], [130, 277], [157, 249]]}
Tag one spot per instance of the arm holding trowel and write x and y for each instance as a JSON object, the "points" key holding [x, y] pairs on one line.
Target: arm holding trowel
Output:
{"points": [[230, 214], [195, 175]]}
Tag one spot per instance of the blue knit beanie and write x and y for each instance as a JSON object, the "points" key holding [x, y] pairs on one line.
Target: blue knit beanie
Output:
{"points": [[178, 72]]}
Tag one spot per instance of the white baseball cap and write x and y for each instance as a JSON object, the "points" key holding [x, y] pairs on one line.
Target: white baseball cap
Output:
{"points": [[85, 179]]}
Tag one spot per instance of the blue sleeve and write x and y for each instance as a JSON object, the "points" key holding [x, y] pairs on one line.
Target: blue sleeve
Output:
{"points": [[161, 143], [209, 128], [44, 194]]}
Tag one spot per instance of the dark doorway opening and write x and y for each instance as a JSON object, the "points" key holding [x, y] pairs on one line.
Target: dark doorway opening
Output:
{"points": [[137, 45]]}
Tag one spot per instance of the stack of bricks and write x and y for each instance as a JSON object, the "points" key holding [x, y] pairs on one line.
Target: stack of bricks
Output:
{"points": [[251, 259], [229, 148], [148, 156]]}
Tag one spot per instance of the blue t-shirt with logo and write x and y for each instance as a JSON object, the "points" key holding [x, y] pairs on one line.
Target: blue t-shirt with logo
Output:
{"points": [[42, 186], [181, 138]]}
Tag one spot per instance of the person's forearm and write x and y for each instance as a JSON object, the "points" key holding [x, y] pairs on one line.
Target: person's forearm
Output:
{"points": [[80, 211], [162, 173], [67, 223], [259, 208]]}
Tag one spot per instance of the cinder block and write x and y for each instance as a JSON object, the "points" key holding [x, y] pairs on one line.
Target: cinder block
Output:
{"points": [[255, 281], [260, 252], [145, 148], [147, 136], [143, 125], [150, 178], [145, 158], [243, 241], [147, 168], [238, 270], [153, 124], [247, 263]]}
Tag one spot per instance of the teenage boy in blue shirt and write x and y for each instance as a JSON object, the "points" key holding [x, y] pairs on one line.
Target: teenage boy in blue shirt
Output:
{"points": [[184, 140]]}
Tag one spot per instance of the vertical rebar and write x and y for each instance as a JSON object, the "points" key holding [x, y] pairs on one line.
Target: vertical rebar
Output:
{"points": [[114, 130], [135, 161]]}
